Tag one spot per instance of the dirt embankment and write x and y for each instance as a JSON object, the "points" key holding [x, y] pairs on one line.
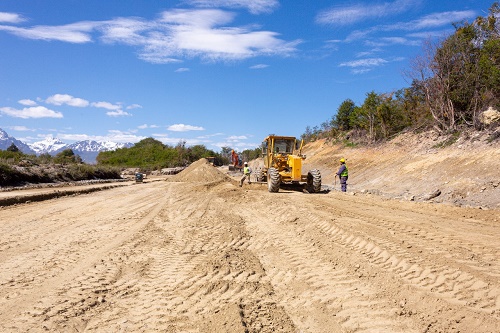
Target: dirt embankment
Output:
{"points": [[415, 166]]}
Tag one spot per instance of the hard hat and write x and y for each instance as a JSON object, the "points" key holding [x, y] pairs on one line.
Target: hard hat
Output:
{"points": [[342, 160], [246, 163]]}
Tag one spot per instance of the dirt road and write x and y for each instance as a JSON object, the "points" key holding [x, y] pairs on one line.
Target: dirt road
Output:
{"points": [[200, 254]]}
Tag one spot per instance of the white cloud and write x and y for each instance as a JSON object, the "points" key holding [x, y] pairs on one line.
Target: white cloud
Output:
{"points": [[208, 136], [236, 138], [175, 35], [363, 65], [364, 62], [435, 20], [134, 106], [106, 105], [115, 110], [27, 102], [184, 128], [60, 99], [430, 21], [10, 17], [195, 33], [385, 41], [145, 126], [259, 66], [21, 128], [360, 70], [181, 70], [118, 113], [72, 33], [355, 13], [253, 6], [125, 30], [31, 112]]}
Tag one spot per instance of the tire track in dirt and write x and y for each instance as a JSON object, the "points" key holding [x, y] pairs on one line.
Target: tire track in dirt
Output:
{"points": [[63, 259], [448, 281], [186, 267], [411, 226], [36, 267], [308, 284]]}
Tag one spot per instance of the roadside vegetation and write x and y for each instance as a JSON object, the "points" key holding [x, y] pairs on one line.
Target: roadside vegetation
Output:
{"points": [[151, 154], [17, 168], [452, 83]]}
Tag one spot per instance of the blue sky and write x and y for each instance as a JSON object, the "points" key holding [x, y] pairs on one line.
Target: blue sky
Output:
{"points": [[212, 72]]}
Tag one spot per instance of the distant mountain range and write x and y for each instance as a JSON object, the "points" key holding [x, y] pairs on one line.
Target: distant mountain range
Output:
{"points": [[87, 149]]}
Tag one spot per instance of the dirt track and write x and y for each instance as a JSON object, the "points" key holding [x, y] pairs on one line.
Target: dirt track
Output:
{"points": [[199, 254]]}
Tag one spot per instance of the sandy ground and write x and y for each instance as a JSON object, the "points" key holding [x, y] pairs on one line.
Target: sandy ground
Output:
{"points": [[197, 253]]}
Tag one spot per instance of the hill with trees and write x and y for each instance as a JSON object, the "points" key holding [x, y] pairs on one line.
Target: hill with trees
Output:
{"points": [[453, 85]]}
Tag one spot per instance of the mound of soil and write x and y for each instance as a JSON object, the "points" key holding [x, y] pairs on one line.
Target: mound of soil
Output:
{"points": [[200, 172]]}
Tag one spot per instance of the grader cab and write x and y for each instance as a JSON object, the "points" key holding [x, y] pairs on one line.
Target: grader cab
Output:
{"points": [[283, 165]]}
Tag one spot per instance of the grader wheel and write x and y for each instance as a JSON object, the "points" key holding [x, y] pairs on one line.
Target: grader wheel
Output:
{"points": [[273, 180], [260, 175], [314, 181]]}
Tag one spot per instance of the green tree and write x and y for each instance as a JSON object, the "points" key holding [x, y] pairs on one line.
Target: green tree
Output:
{"points": [[343, 118], [367, 114], [460, 76], [13, 148], [67, 156], [45, 158], [251, 154]]}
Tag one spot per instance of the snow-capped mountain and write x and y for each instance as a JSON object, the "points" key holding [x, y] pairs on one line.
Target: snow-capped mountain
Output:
{"points": [[48, 145], [87, 149], [6, 141], [91, 145]]}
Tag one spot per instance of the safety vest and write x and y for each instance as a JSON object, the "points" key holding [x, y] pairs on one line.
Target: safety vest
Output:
{"points": [[246, 170], [344, 173]]}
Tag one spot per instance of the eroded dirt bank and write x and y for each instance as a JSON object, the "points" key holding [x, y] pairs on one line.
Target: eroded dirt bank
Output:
{"points": [[412, 166], [199, 254]]}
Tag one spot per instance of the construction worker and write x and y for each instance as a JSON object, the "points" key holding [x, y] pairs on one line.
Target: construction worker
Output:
{"points": [[343, 175], [246, 173]]}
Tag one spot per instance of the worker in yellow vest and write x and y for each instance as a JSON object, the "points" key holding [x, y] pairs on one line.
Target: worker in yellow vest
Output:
{"points": [[343, 175], [246, 173]]}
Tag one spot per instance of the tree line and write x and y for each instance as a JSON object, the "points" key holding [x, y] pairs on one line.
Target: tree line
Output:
{"points": [[147, 154], [151, 154], [452, 83]]}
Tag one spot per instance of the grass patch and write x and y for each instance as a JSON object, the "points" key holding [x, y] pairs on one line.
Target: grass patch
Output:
{"points": [[449, 141], [349, 144]]}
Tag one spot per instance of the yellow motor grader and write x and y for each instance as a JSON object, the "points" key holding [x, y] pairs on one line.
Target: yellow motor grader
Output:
{"points": [[283, 165]]}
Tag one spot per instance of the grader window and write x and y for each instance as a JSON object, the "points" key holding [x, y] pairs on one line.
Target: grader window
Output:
{"points": [[264, 147], [283, 146]]}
